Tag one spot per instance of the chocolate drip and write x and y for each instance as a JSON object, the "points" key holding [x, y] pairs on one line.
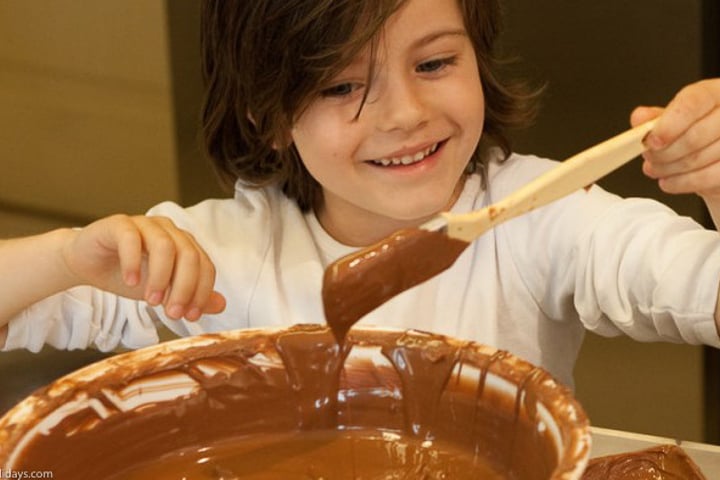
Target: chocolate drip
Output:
{"points": [[424, 365], [525, 399], [485, 365], [313, 365]]}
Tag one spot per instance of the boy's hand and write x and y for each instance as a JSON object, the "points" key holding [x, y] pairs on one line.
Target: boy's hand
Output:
{"points": [[145, 258], [684, 147]]}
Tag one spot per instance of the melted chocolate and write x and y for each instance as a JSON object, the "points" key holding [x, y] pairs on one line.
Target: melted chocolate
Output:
{"points": [[666, 462], [321, 454], [358, 283], [285, 406]]}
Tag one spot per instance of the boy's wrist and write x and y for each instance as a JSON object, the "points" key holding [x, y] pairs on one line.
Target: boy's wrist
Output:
{"points": [[55, 246], [62, 256]]}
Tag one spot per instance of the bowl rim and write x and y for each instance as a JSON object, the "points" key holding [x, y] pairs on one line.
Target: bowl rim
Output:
{"points": [[556, 397]]}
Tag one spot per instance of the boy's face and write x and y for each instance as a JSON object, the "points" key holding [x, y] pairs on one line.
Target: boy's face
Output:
{"points": [[401, 160]]}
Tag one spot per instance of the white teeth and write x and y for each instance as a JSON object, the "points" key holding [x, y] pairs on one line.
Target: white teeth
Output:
{"points": [[406, 159]]}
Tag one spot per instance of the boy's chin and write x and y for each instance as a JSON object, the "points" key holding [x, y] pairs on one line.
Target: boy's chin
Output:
{"points": [[418, 216]]}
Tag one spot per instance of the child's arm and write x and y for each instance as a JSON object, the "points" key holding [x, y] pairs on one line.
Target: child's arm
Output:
{"points": [[145, 258], [684, 147]]}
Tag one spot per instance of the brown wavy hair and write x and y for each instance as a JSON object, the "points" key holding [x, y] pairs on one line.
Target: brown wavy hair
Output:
{"points": [[265, 60]]}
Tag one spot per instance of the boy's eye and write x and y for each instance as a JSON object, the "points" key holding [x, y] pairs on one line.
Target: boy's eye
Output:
{"points": [[339, 90], [434, 65]]}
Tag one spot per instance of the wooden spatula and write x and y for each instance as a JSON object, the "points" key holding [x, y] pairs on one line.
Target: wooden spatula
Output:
{"points": [[360, 282]]}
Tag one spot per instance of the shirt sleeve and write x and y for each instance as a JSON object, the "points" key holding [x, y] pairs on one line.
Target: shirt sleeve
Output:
{"points": [[234, 233], [644, 271], [81, 318], [620, 266]]}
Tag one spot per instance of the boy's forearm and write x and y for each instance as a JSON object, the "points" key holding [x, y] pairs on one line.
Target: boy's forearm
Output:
{"points": [[31, 269]]}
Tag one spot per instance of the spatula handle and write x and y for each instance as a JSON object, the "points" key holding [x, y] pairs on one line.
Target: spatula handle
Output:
{"points": [[578, 171]]}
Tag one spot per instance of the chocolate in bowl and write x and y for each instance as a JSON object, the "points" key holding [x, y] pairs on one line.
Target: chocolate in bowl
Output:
{"points": [[291, 403]]}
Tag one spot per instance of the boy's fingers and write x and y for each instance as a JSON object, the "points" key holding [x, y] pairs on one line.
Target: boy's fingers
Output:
{"points": [[203, 291], [179, 274], [114, 242], [216, 303], [160, 249], [644, 114], [130, 252], [185, 277], [700, 180], [688, 151], [689, 105], [192, 278]]}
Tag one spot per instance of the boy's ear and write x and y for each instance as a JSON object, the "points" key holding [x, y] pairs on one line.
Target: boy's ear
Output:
{"points": [[287, 139], [276, 145], [284, 144]]}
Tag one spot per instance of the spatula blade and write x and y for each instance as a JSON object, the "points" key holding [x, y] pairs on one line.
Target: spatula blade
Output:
{"points": [[362, 281]]}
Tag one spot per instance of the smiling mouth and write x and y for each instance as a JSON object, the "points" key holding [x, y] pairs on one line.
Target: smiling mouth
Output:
{"points": [[407, 159]]}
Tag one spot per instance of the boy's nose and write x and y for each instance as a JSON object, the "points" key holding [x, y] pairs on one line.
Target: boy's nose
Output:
{"points": [[401, 107]]}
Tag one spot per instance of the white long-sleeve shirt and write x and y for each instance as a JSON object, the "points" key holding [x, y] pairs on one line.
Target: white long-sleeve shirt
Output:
{"points": [[532, 285]]}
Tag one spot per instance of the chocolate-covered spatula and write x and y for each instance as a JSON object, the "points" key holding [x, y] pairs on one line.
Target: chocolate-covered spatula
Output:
{"points": [[358, 283]]}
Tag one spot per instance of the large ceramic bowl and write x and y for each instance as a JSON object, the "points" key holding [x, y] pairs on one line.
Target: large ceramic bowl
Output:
{"points": [[290, 403]]}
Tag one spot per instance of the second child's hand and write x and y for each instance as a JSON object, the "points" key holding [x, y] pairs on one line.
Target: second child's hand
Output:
{"points": [[145, 258]]}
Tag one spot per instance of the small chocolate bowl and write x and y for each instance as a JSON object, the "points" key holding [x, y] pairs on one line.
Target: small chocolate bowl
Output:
{"points": [[293, 404]]}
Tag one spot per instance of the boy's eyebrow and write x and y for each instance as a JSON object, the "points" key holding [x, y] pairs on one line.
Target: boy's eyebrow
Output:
{"points": [[431, 37], [422, 41]]}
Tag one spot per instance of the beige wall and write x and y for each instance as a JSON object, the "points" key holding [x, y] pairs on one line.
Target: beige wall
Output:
{"points": [[86, 129], [85, 116]]}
